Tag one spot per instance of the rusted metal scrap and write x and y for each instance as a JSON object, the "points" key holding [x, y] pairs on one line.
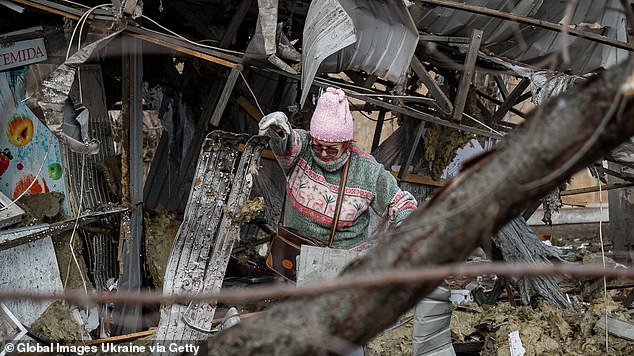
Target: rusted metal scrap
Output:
{"points": [[204, 241]]}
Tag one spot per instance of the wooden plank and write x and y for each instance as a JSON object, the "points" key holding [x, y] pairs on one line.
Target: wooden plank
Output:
{"points": [[596, 188], [53, 8], [616, 327], [504, 92], [120, 338], [467, 75], [10, 213], [499, 103], [431, 85], [226, 92], [377, 131], [511, 100], [176, 47], [412, 150], [417, 179], [251, 109]]}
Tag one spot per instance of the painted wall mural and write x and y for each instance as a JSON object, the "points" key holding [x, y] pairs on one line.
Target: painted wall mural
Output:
{"points": [[29, 152]]}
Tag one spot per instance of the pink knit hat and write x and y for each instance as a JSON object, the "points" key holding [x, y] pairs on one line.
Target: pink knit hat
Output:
{"points": [[332, 121]]}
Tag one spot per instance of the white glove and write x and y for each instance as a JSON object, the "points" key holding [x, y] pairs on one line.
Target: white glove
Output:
{"points": [[275, 125]]}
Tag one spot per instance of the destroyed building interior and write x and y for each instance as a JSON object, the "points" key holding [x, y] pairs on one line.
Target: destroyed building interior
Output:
{"points": [[133, 176]]}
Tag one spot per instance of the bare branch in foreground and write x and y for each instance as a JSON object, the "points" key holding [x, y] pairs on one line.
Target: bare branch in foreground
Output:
{"points": [[468, 210], [377, 280]]}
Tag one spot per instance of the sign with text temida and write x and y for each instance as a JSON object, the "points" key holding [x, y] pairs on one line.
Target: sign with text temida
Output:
{"points": [[21, 53]]}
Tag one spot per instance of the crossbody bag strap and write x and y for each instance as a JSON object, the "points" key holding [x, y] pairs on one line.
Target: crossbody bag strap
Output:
{"points": [[342, 191]]}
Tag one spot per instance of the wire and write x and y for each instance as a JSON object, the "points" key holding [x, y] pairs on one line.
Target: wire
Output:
{"points": [[605, 283], [368, 117], [186, 39], [251, 91], [483, 124], [81, 22], [72, 236]]}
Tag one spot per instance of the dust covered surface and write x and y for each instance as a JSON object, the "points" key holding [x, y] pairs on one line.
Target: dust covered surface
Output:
{"points": [[248, 211], [544, 330], [66, 262], [42, 207], [111, 169], [160, 230], [397, 341], [57, 324]]}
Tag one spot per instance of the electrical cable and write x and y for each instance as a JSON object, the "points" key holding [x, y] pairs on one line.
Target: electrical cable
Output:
{"points": [[80, 22], [605, 283], [186, 39], [370, 118], [252, 93], [483, 124]]}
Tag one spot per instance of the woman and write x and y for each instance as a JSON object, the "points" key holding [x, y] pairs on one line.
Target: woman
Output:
{"points": [[313, 162]]}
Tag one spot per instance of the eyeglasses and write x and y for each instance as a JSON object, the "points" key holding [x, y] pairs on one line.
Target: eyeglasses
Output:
{"points": [[318, 149]]}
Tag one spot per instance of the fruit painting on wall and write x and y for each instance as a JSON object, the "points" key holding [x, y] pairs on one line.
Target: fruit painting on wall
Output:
{"points": [[30, 158], [5, 160], [20, 131]]}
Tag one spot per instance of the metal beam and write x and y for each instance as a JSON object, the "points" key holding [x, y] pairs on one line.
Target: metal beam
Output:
{"points": [[431, 85], [511, 100], [530, 21], [128, 316], [467, 75]]}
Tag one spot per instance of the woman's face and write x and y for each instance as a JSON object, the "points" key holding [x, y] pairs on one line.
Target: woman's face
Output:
{"points": [[328, 151]]}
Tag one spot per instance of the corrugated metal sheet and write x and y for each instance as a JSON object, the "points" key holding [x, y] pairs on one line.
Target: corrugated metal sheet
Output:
{"points": [[529, 44], [380, 30]]}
